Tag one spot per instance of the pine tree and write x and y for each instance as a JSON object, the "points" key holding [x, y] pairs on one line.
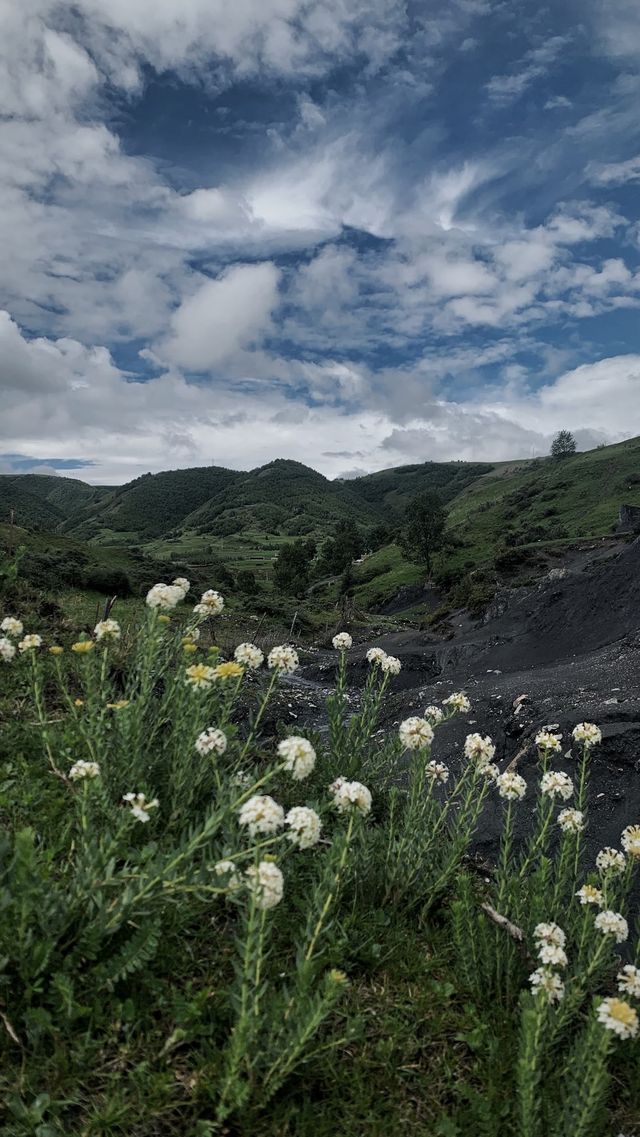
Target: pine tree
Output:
{"points": [[563, 445]]}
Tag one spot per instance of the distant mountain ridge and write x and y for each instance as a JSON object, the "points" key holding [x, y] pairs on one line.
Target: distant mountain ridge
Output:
{"points": [[291, 499]]}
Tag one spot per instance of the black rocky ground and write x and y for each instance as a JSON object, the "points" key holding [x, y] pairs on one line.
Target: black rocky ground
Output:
{"points": [[570, 646]]}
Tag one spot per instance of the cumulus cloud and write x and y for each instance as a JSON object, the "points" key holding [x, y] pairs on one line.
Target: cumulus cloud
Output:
{"points": [[221, 316]]}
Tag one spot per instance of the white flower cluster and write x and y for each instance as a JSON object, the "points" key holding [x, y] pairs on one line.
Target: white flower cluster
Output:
{"points": [[375, 655], [612, 924], [589, 894], [140, 806], [546, 982], [261, 814], [267, 883], [556, 784], [390, 665], [610, 860], [298, 756], [11, 626], [349, 796], [211, 603], [304, 826], [629, 980], [618, 1017], [587, 733], [630, 840], [437, 772], [165, 596], [283, 659], [571, 820], [182, 583], [342, 641], [249, 656], [415, 733], [81, 770], [435, 715], [458, 702], [107, 630], [479, 749], [228, 869], [511, 785], [548, 741], [549, 940], [211, 741], [29, 643], [7, 649]]}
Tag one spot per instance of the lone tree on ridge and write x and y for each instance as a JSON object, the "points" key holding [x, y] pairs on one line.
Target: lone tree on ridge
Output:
{"points": [[563, 445]]}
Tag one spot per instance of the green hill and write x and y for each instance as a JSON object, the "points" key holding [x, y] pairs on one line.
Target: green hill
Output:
{"points": [[45, 501], [390, 491]]}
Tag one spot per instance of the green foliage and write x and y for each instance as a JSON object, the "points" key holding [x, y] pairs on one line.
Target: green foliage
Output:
{"points": [[147, 989], [292, 566], [563, 445], [422, 534]]}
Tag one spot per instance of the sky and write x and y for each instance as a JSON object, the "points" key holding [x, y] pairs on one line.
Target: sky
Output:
{"points": [[355, 234]]}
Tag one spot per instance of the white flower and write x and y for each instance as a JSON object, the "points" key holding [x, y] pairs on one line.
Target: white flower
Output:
{"points": [[546, 982], [459, 702], [304, 825], [556, 784], [211, 741], [511, 785], [415, 733], [376, 655], [491, 771], [228, 869], [342, 641], [549, 934], [298, 756], [552, 954], [587, 733], [619, 1017], [629, 980], [571, 820], [630, 840], [192, 634], [546, 740], [267, 883], [612, 924], [140, 806], [480, 749], [29, 643], [589, 894], [248, 655], [211, 603], [435, 715], [610, 860], [164, 596], [261, 814], [390, 665], [437, 772], [107, 630], [283, 659], [82, 769], [7, 649], [348, 796], [12, 626], [182, 583]]}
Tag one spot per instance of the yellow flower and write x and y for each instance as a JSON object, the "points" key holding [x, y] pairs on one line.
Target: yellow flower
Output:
{"points": [[338, 977], [162, 619], [83, 646], [78, 702], [56, 650], [189, 648], [119, 705], [231, 670], [199, 676]]}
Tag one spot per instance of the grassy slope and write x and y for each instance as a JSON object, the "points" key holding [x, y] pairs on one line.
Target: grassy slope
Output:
{"points": [[390, 491], [45, 501]]}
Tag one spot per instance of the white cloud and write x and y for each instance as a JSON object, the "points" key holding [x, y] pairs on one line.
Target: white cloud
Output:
{"points": [[533, 65], [221, 317], [615, 173]]}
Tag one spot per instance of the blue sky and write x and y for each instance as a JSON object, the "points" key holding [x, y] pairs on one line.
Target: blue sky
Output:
{"points": [[354, 234]]}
